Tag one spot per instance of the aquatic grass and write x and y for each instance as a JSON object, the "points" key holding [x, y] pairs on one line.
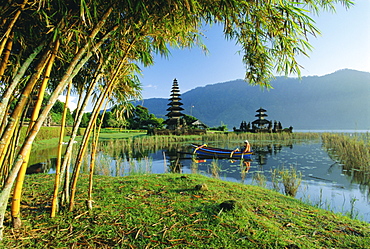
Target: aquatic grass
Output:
{"points": [[103, 165], [139, 166], [119, 170], [233, 140], [215, 169], [194, 165], [137, 144], [291, 180], [260, 179], [170, 141], [284, 136], [275, 179], [352, 214], [353, 152]]}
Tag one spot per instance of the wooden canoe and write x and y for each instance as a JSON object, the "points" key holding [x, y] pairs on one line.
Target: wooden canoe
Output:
{"points": [[204, 150]]}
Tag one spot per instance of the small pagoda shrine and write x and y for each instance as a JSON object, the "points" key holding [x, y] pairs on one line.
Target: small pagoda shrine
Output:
{"points": [[261, 124], [174, 114]]}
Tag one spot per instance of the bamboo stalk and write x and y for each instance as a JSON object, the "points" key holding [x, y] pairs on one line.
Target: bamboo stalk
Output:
{"points": [[15, 81], [6, 55], [97, 107], [9, 130], [10, 26], [15, 209], [54, 205], [89, 200], [83, 148], [4, 39], [93, 158], [79, 113]]}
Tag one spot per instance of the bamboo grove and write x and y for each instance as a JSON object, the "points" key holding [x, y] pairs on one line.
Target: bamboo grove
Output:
{"points": [[94, 49]]}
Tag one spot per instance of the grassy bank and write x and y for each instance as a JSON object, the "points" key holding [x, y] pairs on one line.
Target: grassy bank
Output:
{"points": [[167, 211]]}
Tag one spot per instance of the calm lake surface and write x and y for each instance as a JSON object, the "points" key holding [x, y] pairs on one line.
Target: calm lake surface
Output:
{"points": [[325, 182]]}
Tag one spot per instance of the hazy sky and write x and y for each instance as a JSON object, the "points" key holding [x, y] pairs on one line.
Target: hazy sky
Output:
{"points": [[344, 43]]}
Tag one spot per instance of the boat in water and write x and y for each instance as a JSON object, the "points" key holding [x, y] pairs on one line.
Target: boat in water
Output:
{"points": [[205, 151]]}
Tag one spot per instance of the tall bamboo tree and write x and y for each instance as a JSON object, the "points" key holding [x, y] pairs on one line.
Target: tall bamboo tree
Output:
{"points": [[83, 100], [27, 144]]}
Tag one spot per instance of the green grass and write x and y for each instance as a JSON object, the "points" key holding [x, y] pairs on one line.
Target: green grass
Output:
{"points": [[166, 211], [120, 135], [53, 141]]}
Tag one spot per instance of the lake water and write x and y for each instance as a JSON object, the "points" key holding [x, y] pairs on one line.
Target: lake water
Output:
{"points": [[325, 182]]}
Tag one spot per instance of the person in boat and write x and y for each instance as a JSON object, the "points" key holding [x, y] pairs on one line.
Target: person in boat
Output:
{"points": [[246, 147]]}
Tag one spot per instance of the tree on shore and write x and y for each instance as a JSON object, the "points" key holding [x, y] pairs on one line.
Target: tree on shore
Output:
{"points": [[97, 46], [140, 118]]}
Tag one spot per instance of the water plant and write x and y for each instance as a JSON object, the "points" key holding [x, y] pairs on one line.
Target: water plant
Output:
{"points": [[233, 136], [353, 214], [194, 165], [215, 169], [353, 151], [275, 179], [260, 179], [291, 180]]}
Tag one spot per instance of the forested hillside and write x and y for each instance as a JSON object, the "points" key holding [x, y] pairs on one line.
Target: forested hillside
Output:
{"points": [[340, 100]]}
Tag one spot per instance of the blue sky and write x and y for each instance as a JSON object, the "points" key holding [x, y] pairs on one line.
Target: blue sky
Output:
{"points": [[344, 43]]}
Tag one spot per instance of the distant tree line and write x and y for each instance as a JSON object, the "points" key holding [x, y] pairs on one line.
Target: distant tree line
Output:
{"points": [[138, 118]]}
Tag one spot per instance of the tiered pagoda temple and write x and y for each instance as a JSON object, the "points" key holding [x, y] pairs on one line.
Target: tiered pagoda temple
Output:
{"points": [[176, 122], [260, 123], [174, 111]]}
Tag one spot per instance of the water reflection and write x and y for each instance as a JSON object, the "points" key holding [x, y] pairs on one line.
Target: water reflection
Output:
{"points": [[263, 151], [42, 167], [174, 157]]}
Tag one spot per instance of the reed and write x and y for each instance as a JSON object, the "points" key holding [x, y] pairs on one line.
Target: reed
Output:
{"points": [[102, 165], [353, 214], [194, 166], [275, 179], [291, 180], [119, 169], [232, 139], [215, 169], [143, 144], [233, 136], [260, 179], [139, 167], [353, 151]]}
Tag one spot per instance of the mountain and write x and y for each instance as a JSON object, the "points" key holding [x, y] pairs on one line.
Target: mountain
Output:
{"points": [[340, 100]]}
